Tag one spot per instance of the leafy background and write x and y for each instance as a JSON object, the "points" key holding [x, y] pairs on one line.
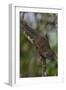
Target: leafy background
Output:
{"points": [[30, 63]]}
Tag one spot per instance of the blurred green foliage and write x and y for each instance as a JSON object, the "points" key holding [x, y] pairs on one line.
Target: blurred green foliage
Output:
{"points": [[30, 63]]}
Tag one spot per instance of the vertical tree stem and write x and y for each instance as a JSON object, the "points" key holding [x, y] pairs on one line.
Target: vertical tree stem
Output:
{"points": [[43, 62]]}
